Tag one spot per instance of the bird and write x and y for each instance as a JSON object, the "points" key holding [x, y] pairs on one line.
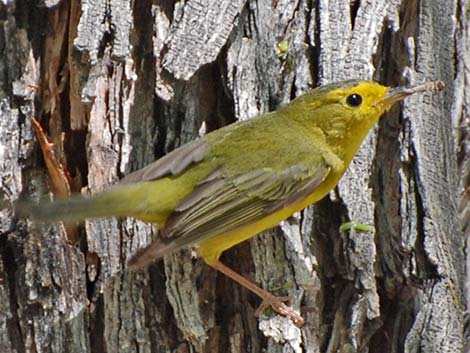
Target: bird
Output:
{"points": [[235, 182]]}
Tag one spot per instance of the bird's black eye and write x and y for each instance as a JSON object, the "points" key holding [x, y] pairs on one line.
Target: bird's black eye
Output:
{"points": [[354, 100]]}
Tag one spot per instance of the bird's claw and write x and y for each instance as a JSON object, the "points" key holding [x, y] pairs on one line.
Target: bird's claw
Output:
{"points": [[279, 306]]}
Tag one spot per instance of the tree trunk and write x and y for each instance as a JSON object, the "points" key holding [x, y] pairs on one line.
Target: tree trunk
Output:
{"points": [[117, 84]]}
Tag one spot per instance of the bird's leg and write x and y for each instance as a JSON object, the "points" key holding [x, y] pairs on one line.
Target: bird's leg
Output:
{"points": [[277, 303]]}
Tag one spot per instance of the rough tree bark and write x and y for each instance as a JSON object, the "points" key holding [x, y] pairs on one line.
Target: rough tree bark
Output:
{"points": [[117, 84]]}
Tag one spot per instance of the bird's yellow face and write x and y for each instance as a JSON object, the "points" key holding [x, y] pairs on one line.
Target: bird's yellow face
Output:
{"points": [[341, 110], [357, 105], [365, 101], [347, 110]]}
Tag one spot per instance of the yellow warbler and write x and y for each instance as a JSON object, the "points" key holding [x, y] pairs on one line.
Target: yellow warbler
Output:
{"points": [[235, 182]]}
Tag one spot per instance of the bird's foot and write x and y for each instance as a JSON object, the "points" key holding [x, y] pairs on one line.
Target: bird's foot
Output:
{"points": [[279, 306]]}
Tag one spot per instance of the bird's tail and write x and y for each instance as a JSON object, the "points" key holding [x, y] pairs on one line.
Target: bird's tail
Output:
{"points": [[77, 208]]}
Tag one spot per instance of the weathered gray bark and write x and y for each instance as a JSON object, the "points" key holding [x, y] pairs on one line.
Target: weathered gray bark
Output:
{"points": [[117, 84]]}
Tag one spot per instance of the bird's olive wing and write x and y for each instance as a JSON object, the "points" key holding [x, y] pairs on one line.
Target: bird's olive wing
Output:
{"points": [[173, 163], [220, 204]]}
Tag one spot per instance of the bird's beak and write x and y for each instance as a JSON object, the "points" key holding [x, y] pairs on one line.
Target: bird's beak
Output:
{"points": [[397, 94]]}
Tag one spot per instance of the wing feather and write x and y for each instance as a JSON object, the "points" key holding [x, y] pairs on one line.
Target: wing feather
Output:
{"points": [[173, 163], [225, 203]]}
